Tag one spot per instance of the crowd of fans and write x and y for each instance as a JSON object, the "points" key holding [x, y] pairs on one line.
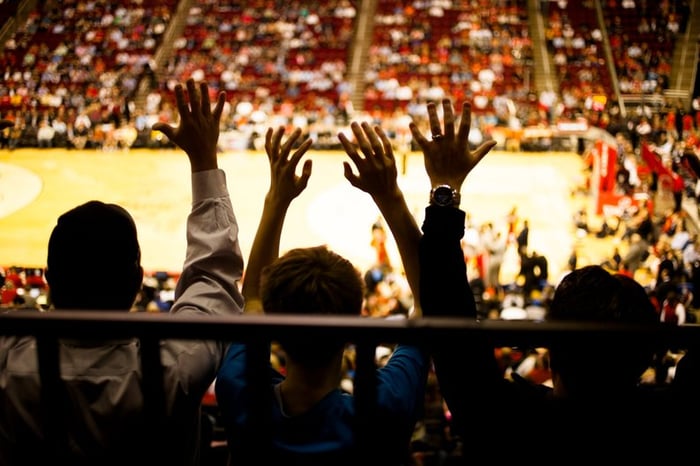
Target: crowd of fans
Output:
{"points": [[78, 92], [74, 71]]}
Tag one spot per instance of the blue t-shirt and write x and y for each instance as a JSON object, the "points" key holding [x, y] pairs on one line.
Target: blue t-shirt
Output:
{"points": [[325, 433]]}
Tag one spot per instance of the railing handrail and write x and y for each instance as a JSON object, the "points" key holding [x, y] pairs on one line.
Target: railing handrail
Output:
{"points": [[251, 327], [49, 327]]}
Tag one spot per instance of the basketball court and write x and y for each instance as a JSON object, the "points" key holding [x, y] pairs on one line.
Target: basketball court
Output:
{"points": [[38, 185]]}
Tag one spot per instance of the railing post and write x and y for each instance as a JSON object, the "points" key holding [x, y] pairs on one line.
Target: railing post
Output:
{"points": [[257, 441], [153, 395], [365, 397]]}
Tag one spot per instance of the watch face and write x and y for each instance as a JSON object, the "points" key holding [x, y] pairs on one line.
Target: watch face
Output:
{"points": [[443, 196]]}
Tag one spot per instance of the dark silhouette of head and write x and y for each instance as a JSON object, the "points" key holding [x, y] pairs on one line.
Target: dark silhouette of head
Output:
{"points": [[94, 259], [592, 294], [314, 281]]}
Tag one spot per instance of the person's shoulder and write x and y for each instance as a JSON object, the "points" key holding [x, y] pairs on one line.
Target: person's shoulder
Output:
{"points": [[17, 343], [405, 352]]}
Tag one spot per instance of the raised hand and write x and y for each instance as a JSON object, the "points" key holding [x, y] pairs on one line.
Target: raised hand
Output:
{"points": [[378, 177], [447, 157], [377, 169], [198, 130], [285, 185]]}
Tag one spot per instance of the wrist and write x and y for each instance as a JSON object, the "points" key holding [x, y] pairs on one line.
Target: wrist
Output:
{"points": [[277, 203], [388, 199], [197, 165]]}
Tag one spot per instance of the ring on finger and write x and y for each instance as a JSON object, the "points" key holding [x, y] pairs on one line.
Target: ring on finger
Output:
{"points": [[437, 137]]}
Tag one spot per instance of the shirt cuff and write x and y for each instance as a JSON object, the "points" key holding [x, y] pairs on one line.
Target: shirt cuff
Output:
{"points": [[444, 221], [209, 184]]}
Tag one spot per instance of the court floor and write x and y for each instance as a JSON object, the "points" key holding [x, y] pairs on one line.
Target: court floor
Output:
{"points": [[38, 185]]}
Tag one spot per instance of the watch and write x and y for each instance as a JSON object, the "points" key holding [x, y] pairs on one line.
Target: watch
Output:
{"points": [[444, 196]]}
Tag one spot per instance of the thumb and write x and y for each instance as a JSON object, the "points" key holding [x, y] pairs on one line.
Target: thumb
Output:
{"points": [[349, 175], [165, 129]]}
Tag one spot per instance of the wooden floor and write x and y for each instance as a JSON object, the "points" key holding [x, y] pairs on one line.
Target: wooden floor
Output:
{"points": [[38, 185]]}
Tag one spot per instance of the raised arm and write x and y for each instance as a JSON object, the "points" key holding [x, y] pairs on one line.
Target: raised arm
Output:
{"points": [[377, 176], [448, 160], [285, 185], [198, 131], [213, 264], [466, 370]]}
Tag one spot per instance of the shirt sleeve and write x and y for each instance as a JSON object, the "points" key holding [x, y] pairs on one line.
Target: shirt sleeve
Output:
{"points": [[444, 285], [466, 369], [213, 264], [208, 284], [401, 394], [401, 382]]}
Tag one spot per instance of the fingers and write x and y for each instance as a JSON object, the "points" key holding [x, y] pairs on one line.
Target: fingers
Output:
{"points": [[434, 120], [165, 129], [352, 153], [360, 137], [182, 106], [268, 141], [275, 149], [305, 174], [194, 96], [220, 102], [481, 151], [349, 147], [299, 153], [281, 164], [372, 141], [449, 117], [195, 102], [376, 147], [418, 136], [273, 138], [204, 93], [388, 149], [287, 146], [465, 123], [350, 176]]}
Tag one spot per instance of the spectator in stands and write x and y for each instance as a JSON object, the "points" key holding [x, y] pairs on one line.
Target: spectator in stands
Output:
{"points": [[594, 375], [672, 309], [522, 239], [94, 263], [313, 420], [45, 134]]}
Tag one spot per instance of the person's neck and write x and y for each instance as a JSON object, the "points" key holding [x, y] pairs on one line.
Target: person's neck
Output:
{"points": [[304, 387]]}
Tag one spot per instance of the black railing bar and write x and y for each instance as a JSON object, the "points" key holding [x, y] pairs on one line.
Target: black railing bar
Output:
{"points": [[366, 425], [109, 324], [257, 436], [153, 391]]}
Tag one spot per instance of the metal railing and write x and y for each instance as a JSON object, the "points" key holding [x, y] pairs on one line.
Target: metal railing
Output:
{"points": [[365, 333]]}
